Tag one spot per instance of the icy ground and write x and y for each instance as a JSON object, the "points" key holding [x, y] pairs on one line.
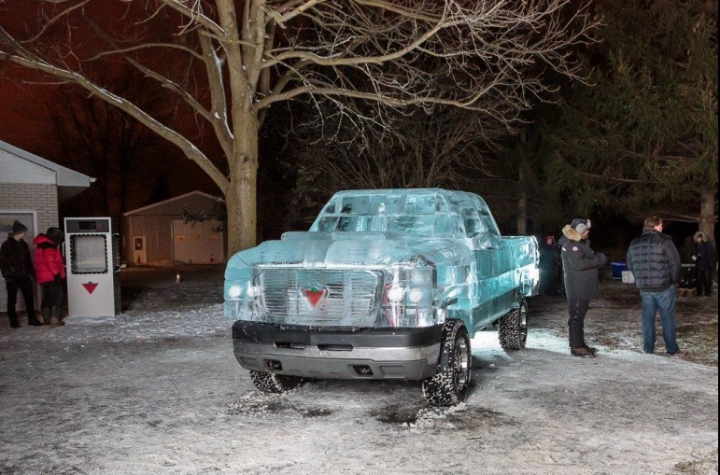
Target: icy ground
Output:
{"points": [[158, 391]]}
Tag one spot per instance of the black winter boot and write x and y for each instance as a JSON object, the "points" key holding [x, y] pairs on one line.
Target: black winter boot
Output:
{"points": [[581, 352], [14, 321], [46, 315], [56, 320], [34, 321]]}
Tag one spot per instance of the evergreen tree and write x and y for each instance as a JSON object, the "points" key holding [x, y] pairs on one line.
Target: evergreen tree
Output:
{"points": [[644, 137]]}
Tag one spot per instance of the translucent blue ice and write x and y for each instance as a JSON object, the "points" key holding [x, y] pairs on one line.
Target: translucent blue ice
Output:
{"points": [[389, 259]]}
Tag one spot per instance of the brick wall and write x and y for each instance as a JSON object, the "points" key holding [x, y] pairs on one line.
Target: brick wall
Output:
{"points": [[40, 198]]}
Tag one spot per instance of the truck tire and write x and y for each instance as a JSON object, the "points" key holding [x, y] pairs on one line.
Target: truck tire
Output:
{"points": [[272, 383], [451, 383], [514, 328]]}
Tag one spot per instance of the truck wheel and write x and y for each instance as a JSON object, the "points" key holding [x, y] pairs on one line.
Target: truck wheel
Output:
{"points": [[450, 384], [514, 329], [274, 383]]}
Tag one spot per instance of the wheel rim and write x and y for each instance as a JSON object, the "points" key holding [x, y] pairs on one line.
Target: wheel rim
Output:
{"points": [[462, 363], [523, 323]]}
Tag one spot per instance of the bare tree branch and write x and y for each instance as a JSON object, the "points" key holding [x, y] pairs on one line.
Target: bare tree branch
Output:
{"points": [[190, 149], [367, 60]]}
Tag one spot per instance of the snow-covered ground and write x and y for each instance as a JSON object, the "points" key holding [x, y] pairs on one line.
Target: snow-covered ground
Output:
{"points": [[158, 391]]}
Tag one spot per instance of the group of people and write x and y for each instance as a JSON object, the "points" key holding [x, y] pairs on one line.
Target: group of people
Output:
{"points": [[654, 262], [652, 258], [48, 270]]}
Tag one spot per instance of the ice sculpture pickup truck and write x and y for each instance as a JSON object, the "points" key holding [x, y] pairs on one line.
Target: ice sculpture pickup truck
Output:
{"points": [[386, 284]]}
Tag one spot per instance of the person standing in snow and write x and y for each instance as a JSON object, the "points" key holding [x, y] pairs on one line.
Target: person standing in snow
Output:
{"points": [[549, 263], [17, 268], [688, 273], [580, 265], [655, 263], [50, 273], [704, 259]]}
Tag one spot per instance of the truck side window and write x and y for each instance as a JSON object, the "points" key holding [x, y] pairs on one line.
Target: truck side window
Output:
{"points": [[488, 223], [473, 227], [327, 225], [473, 224], [352, 224]]}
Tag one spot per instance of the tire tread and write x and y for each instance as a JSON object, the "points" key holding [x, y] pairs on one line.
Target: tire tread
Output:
{"points": [[272, 383], [511, 333], [440, 390]]}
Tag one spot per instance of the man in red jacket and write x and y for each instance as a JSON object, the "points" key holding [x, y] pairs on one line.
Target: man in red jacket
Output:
{"points": [[50, 272]]}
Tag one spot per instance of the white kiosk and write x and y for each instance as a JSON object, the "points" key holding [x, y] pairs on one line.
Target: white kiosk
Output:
{"points": [[93, 271]]}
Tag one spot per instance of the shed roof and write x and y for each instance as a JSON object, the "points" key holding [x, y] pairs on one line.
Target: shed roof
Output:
{"points": [[69, 182], [166, 207]]}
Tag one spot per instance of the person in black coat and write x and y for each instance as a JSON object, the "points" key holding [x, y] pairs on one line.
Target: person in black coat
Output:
{"points": [[704, 260], [549, 266], [704, 257], [580, 265], [655, 264], [17, 268], [688, 273]]}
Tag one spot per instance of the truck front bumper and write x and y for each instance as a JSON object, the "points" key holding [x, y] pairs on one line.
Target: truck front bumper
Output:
{"points": [[338, 353]]}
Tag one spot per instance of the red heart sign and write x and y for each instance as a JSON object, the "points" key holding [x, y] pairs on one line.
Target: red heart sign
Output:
{"points": [[90, 287]]}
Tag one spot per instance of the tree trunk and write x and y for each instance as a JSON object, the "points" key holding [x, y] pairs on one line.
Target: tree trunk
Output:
{"points": [[241, 195], [707, 215], [522, 203]]}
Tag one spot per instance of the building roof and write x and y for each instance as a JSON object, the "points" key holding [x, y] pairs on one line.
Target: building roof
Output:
{"points": [[69, 182], [163, 204]]}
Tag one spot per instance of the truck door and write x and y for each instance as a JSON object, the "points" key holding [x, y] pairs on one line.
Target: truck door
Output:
{"points": [[486, 269]]}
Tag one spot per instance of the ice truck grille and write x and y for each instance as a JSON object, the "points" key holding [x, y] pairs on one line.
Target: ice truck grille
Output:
{"points": [[349, 298]]}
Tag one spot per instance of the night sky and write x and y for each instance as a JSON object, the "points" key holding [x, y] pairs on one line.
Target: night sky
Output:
{"points": [[21, 109]]}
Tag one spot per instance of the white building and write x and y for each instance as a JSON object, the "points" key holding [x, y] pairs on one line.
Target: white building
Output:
{"points": [[159, 235], [31, 189]]}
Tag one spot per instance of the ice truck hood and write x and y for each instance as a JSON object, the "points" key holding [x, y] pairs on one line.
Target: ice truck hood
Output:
{"points": [[353, 250]]}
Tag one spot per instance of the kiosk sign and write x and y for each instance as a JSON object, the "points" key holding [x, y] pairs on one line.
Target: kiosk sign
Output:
{"points": [[93, 276], [90, 287]]}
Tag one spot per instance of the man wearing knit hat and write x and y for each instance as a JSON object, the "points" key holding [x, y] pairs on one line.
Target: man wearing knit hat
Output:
{"points": [[17, 267], [580, 265]]}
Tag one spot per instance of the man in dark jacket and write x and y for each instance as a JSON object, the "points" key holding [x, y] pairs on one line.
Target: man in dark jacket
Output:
{"points": [[655, 263], [17, 267], [549, 264], [704, 259], [580, 265]]}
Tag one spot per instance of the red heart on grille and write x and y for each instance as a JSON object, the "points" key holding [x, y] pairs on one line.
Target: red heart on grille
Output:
{"points": [[314, 295]]}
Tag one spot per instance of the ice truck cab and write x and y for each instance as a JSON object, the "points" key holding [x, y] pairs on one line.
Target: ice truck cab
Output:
{"points": [[387, 284]]}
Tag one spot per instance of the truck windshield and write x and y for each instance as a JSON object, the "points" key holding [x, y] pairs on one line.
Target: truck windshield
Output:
{"points": [[425, 216]]}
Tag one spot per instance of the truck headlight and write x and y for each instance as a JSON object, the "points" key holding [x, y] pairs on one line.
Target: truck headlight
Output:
{"points": [[395, 294], [253, 291], [234, 292], [416, 296]]}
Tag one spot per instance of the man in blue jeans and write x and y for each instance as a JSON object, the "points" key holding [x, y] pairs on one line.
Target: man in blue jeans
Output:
{"points": [[655, 264]]}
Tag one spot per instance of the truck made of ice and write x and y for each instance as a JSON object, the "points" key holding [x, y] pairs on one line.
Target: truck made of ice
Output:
{"points": [[387, 284]]}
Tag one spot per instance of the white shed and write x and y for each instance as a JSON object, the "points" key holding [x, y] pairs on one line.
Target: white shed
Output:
{"points": [[158, 234]]}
